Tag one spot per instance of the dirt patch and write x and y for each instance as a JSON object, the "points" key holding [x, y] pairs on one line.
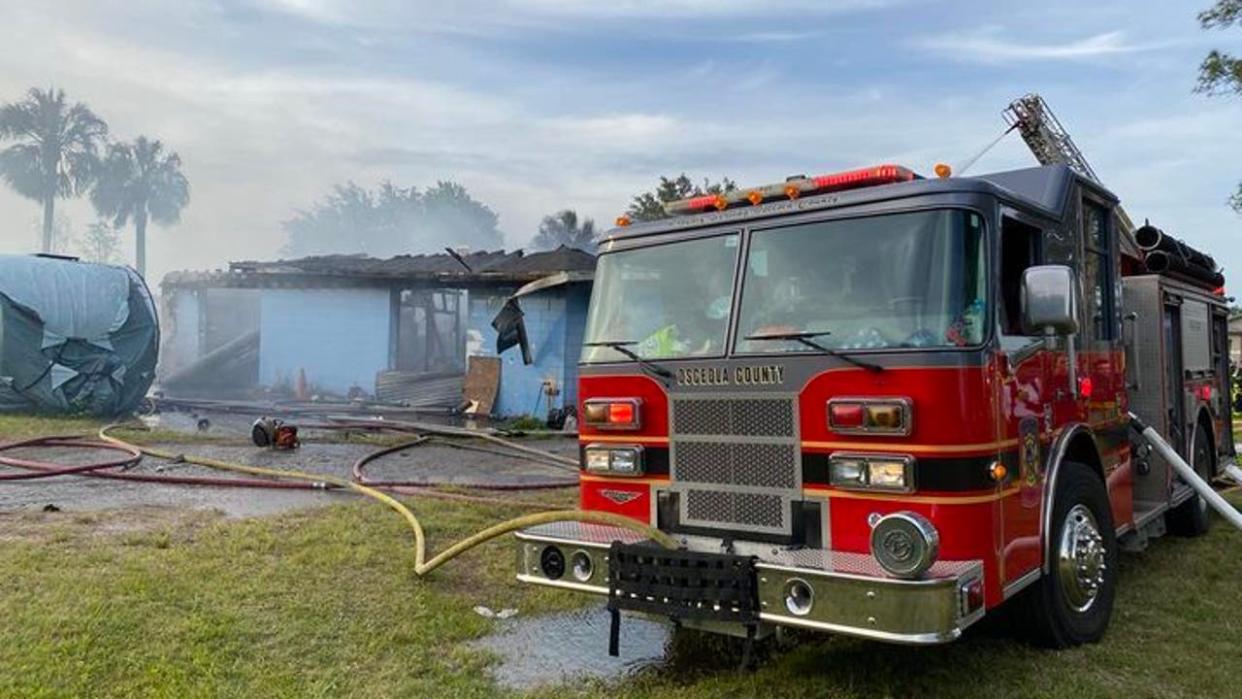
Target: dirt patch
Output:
{"points": [[58, 526]]}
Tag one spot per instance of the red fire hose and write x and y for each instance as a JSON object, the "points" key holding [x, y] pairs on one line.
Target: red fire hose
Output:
{"points": [[361, 464], [42, 469], [48, 469]]}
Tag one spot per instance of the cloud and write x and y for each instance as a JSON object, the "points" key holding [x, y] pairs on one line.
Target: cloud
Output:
{"points": [[539, 105], [987, 46], [484, 17], [767, 37]]}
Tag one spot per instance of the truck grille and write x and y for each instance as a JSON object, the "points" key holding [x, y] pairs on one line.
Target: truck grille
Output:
{"points": [[758, 417], [736, 461]]}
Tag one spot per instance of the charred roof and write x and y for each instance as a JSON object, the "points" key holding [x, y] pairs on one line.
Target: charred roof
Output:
{"points": [[480, 268]]}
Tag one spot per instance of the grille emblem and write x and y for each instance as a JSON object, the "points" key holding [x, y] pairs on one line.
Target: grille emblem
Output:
{"points": [[619, 497]]}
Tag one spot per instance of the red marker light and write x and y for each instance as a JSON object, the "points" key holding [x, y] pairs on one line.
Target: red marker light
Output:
{"points": [[1205, 392], [1085, 387], [793, 188], [848, 415], [865, 177], [621, 413], [612, 413]]}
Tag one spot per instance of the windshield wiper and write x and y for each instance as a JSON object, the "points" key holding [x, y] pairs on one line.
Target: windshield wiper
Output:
{"points": [[623, 347], [806, 337]]}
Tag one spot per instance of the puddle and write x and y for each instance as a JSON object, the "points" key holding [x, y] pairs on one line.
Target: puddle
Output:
{"points": [[555, 649]]}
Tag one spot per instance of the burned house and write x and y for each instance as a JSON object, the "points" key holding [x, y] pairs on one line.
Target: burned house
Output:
{"points": [[406, 330]]}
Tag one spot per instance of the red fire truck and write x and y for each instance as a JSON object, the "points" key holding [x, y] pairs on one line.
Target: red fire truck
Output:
{"points": [[878, 404]]}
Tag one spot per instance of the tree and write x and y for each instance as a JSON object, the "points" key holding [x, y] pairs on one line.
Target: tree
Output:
{"points": [[140, 182], [649, 206], [1221, 73], [55, 154], [563, 228], [353, 219], [101, 243], [61, 240], [451, 215], [391, 220]]}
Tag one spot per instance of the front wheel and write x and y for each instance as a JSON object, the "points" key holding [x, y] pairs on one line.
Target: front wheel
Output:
{"points": [[1073, 603]]}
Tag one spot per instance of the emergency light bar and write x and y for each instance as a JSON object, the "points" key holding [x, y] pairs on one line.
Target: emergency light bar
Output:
{"points": [[793, 188]]}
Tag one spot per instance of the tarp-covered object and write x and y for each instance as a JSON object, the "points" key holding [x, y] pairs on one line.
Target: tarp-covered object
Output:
{"points": [[74, 336]]}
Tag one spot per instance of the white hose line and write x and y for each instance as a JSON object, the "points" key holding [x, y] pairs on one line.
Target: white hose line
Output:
{"points": [[1235, 473], [1193, 479]]}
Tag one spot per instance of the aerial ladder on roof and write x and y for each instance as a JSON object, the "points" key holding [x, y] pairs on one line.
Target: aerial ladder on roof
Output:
{"points": [[1051, 144]]}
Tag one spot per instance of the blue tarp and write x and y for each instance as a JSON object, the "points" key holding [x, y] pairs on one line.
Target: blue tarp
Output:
{"points": [[75, 337]]}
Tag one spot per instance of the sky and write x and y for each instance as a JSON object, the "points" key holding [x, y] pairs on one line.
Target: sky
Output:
{"points": [[540, 105]]}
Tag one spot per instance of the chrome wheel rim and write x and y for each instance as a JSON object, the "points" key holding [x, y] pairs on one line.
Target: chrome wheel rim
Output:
{"points": [[1081, 558]]}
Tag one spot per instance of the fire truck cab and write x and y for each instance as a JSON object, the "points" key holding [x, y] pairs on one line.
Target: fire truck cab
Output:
{"points": [[881, 405]]}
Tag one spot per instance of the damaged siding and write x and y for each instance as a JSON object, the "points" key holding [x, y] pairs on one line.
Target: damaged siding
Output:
{"points": [[555, 320]]}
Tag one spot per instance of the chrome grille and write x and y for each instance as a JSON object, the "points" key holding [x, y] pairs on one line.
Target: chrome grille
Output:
{"points": [[758, 417], [757, 465], [736, 461], [749, 509]]}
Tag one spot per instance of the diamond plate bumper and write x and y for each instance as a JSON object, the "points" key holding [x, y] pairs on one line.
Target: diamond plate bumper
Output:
{"points": [[852, 595]]}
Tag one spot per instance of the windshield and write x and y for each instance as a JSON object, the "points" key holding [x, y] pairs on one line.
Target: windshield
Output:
{"points": [[668, 300], [899, 280]]}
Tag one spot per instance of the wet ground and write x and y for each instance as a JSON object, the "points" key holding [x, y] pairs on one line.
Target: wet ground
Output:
{"points": [[425, 464], [559, 648]]}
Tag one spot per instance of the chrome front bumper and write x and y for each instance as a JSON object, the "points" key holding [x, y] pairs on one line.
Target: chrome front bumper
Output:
{"points": [[852, 594]]}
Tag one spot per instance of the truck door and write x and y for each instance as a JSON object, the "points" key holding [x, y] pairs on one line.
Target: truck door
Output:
{"points": [[1026, 394], [1101, 396]]}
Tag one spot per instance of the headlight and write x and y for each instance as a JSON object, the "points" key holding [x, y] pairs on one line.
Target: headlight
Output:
{"points": [[893, 473], [614, 460], [905, 544], [624, 460], [889, 475], [849, 473], [597, 460]]}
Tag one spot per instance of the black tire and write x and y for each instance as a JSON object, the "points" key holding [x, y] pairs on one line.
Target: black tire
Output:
{"points": [[1052, 612], [1191, 518]]}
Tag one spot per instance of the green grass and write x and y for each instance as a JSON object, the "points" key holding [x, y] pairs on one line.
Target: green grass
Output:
{"points": [[323, 603], [318, 603], [16, 427]]}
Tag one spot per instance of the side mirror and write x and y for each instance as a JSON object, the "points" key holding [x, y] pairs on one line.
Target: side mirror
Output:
{"points": [[1049, 300]]}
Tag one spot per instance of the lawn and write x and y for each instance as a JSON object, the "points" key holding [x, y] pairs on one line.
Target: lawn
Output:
{"points": [[323, 603]]}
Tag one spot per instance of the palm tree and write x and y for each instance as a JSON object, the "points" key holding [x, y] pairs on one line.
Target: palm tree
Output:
{"points": [[562, 228], [141, 182], [55, 153]]}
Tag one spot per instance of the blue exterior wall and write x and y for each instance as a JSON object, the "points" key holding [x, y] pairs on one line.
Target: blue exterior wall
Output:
{"points": [[339, 337], [555, 319], [578, 297]]}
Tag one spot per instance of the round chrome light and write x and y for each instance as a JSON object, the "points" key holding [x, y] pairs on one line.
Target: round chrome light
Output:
{"points": [[905, 544], [552, 563], [580, 565], [799, 597]]}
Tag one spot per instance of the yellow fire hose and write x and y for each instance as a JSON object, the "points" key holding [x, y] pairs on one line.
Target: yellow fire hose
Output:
{"points": [[421, 565]]}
